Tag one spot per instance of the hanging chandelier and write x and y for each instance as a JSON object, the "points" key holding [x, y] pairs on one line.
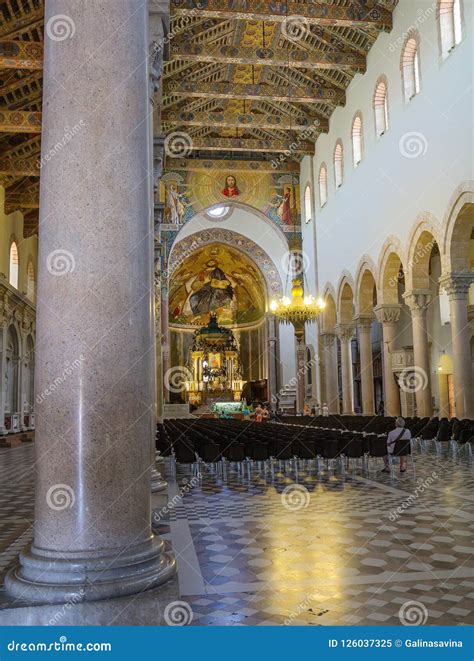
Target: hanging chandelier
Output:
{"points": [[299, 308]]}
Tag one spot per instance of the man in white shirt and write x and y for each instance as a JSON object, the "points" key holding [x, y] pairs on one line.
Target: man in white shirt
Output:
{"points": [[398, 434]]}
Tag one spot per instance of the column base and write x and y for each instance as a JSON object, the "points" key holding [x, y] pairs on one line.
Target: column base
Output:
{"points": [[44, 577]]}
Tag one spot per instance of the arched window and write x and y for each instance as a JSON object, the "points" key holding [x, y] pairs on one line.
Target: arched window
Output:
{"points": [[357, 139], [307, 203], [14, 265], [450, 26], [323, 185], [381, 107], [410, 68], [30, 281], [338, 164]]}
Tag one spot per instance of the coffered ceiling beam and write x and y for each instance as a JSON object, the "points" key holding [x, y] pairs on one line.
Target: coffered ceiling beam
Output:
{"points": [[19, 121], [353, 16], [230, 120], [294, 94], [251, 145], [279, 57], [21, 55]]}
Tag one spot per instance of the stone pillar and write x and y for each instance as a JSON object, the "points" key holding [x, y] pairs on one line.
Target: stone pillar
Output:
{"points": [[165, 338], [3, 371], [345, 332], [364, 327], [300, 368], [418, 302], [23, 375], [272, 340], [388, 315], [457, 286], [330, 369], [92, 512]]}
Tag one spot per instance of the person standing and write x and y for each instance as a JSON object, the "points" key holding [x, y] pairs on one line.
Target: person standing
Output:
{"points": [[398, 445]]}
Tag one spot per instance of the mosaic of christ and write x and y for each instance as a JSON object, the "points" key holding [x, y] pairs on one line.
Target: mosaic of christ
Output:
{"points": [[216, 279]]}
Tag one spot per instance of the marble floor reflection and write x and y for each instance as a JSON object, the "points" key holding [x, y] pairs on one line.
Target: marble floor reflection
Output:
{"points": [[303, 547]]}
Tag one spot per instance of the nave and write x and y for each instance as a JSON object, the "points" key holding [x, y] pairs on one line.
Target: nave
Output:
{"points": [[302, 543]]}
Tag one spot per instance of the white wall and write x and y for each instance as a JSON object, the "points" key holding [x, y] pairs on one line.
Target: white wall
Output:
{"points": [[386, 193]]}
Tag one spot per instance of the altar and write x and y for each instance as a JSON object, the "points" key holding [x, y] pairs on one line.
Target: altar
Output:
{"points": [[215, 367]]}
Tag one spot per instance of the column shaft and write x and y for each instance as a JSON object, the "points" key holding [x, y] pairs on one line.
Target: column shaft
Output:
{"points": [[330, 369], [366, 366], [418, 302], [457, 287], [95, 345], [345, 333], [388, 316]]}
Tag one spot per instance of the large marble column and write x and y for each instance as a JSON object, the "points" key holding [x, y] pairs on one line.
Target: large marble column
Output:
{"points": [[330, 371], [300, 368], [272, 339], [165, 338], [3, 370], [345, 333], [92, 535], [418, 302], [364, 327], [388, 315], [457, 286]]}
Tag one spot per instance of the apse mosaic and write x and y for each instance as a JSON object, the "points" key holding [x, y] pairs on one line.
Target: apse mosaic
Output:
{"points": [[186, 193], [216, 279]]}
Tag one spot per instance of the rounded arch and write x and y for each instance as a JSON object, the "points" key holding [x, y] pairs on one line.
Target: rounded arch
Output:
{"points": [[410, 65], [345, 299], [357, 138], [323, 184], [14, 263], [391, 264], [380, 104], [338, 163], [457, 230], [329, 313], [183, 248], [423, 238], [366, 283], [233, 206]]}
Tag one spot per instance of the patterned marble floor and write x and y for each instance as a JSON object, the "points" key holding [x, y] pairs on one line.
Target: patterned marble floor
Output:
{"points": [[316, 548]]}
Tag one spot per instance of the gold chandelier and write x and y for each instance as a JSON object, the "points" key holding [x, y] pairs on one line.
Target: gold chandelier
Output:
{"points": [[298, 309]]}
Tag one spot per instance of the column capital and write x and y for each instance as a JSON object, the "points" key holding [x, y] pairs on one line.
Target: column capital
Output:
{"points": [[345, 332], [456, 285], [327, 338], [418, 300], [387, 313], [364, 322]]}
